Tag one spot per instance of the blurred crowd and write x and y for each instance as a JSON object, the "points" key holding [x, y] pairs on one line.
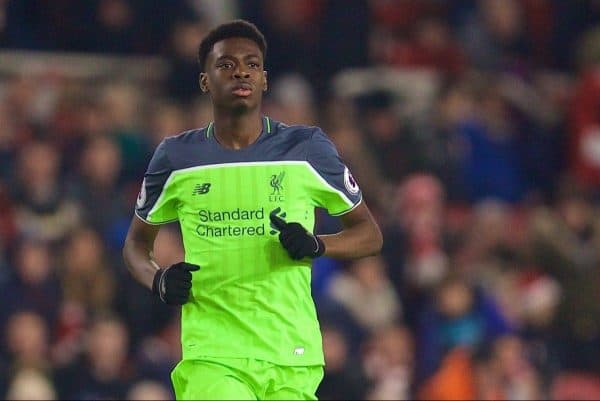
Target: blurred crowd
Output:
{"points": [[473, 128]]}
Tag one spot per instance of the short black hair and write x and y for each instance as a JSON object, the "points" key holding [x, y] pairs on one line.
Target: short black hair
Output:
{"points": [[238, 28]]}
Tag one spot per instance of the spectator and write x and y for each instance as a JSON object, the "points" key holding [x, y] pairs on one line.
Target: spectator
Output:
{"points": [[43, 211], [122, 106], [285, 22], [458, 316], [30, 384], [97, 182], [27, 341], [415, 241], [584, 127], [389, 364], [167, 119], [292, 100], [344, 378], [86, 278], [102, 372], [183, 55], [148, 390], [344, 129], [430, 47], [33, 284], [491, 161], [366, 292], [398, 148], [564, 243], [454, 380], [495, 36], [115, 29]]}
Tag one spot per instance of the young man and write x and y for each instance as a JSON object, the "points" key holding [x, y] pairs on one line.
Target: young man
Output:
{"points": [[244, 190]]}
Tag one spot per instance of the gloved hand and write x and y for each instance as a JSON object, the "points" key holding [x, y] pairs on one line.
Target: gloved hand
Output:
{"points": [[172, 284], [296, 239]]}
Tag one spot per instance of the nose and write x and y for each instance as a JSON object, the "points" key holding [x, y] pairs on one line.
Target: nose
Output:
{"points": [[240, 72]]}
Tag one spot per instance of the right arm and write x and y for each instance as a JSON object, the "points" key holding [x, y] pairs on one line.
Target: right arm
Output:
{"points": [[139, 243], [156, 204], [138, 251]]}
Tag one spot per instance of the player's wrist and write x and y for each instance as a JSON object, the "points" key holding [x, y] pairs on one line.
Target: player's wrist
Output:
{"points": [[156, 282], [319, 247]]}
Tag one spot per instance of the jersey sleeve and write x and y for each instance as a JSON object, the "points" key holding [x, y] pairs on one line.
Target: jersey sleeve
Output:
{"points": [[335, 189], [157, 200]]}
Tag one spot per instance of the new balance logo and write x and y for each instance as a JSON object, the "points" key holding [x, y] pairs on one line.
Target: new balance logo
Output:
{"points": [[201, 189]]}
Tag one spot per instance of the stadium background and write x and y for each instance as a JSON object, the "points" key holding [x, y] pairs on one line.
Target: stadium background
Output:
{"points": [[473, 128]]}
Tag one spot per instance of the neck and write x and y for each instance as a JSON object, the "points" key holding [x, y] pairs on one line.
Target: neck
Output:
{"points": [[237, 131]]}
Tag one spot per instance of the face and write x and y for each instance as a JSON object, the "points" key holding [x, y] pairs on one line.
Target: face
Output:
{"points": [[234, 75]]}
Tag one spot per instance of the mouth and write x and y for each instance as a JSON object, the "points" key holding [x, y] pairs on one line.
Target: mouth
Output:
{"points": [[242, 90]]}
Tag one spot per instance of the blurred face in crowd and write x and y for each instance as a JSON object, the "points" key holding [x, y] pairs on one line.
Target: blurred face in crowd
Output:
{"points": [[234, 75], [167, 119], [26, 337], [292, 100], [420, 203], [455, 298], [576, 213], [121, 104], [432, 34], [107, 346], [84, 251], [389, 348], [455, 107], [503, 18], [509, 354], [370, 272], [384, 124], [33, 262], [101, 161], [115, 14], [185, 39], [39, 163]]}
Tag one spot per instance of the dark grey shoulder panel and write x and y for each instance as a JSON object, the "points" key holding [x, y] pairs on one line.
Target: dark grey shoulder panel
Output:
{"points": [[325, 159], [286, 143], [155, 177], [187, 149]]}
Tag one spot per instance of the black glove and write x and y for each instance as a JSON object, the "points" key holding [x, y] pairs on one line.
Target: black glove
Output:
{"points": [[296, 239], [172, 285]]}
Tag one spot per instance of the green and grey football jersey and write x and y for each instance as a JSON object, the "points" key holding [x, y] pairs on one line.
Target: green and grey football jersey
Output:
{"points": [[249, 299]]}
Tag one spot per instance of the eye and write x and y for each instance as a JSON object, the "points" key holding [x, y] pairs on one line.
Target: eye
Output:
{"points": [[226, 65], [253, 65]]}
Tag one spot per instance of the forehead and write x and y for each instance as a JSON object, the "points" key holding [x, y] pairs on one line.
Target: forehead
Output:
{"points": [[238, 47]]}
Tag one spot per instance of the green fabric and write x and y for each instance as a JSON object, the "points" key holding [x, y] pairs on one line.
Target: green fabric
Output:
{"points": [[244, 379], [249, 299]]}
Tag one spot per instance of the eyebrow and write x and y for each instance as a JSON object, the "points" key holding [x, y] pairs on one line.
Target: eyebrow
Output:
{"points": [[229, 56]]}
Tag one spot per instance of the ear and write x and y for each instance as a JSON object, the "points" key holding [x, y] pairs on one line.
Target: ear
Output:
{"points": [[265, 86], [203, 81]]}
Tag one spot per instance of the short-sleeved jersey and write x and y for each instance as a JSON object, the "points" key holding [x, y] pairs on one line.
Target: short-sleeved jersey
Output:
{"points": [[249, 299]]}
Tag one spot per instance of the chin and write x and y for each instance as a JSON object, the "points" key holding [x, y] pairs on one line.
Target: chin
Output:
{"points": [[242, 105]]}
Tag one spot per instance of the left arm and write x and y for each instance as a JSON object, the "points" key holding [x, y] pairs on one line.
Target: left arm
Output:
{"points": [[360, 236]]}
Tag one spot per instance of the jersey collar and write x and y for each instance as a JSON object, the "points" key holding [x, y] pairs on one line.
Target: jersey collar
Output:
{"points": [[266, 127]]}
